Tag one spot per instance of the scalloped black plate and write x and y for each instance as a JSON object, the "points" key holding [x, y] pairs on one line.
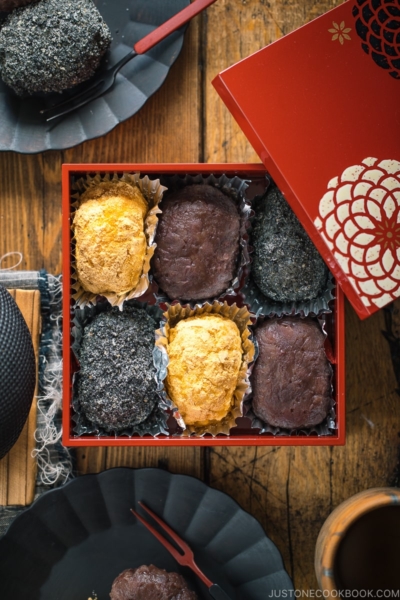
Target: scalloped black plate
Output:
{"points": [[24, 130], [73, 541]]}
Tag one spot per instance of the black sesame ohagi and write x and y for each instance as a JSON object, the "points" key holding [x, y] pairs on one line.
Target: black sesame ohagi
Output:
{"points": [[52, 45], [116, 385], [286, 265]]}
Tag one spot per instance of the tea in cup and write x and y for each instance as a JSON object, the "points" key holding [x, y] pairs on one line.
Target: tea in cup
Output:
{"points": [[358, 548]]}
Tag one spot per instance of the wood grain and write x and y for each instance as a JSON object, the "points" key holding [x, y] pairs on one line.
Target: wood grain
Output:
{"points": [[290, 490], [248, 26], [167, 129], [188, 461], [18, 468]]}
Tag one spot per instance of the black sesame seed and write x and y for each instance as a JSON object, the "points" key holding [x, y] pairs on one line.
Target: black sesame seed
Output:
{"points": [[52, 45], [286, 265], [116, 386]]}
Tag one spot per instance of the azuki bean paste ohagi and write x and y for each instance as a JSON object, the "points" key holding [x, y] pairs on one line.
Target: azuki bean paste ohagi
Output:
{"points": [[198, 243], [150, 583], [52, 45], [291, 379], [116, 386], [286, 265]]}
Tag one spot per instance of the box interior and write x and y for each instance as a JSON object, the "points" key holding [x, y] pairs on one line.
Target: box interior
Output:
{"points": [[242, 434]]}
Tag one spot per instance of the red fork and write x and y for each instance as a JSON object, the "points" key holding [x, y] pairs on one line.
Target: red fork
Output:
{"points": [[186, 557], [103, 81]]}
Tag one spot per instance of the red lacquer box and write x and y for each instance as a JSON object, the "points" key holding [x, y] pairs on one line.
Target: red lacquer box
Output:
{"points": [[242, 434], [321, 107]]}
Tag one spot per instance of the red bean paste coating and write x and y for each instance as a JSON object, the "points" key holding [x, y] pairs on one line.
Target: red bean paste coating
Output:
{"points": [[291, 379], [198, 243], [150, 583]]}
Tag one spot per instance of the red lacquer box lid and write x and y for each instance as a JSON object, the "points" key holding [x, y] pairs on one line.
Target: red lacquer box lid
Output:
{"points": [[321, 107]]}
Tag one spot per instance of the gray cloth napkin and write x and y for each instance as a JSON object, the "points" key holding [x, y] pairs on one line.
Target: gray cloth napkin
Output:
{"points": [[55, 463]]}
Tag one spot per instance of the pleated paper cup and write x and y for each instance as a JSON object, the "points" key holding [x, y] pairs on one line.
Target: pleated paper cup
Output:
{"points": [[235, 189], [239, 316], [327, 426], [152, 192], [156, 421]]}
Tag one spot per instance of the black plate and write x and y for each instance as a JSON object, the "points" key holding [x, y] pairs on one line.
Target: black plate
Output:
{"points": [[75, 540], [24, 130]]}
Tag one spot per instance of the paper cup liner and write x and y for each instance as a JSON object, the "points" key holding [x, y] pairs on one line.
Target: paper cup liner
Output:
{"points": [[235, 188], [260, 305], [241, 317], [152, 191], [155, 424], [327, 427]]}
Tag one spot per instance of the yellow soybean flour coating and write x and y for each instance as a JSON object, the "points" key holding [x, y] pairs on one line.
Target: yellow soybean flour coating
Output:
{"points": [[205, 354], [110, 238]]}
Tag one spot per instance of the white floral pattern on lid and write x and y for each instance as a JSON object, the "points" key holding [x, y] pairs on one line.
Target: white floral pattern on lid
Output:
{"points": [[359, 219]]}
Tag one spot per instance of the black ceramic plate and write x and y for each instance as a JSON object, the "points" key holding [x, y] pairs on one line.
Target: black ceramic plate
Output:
{"points": [[75, 540], [24, 130]]}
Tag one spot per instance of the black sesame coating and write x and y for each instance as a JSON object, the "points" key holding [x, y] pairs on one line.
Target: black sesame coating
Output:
{"points": [[286, 265], [116, 385], [52, 45]]}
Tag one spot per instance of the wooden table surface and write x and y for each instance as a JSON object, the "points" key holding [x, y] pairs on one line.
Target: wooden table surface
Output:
{"points": [[290, 490]]}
